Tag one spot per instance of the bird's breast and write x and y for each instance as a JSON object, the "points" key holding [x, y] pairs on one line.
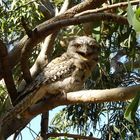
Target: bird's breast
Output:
{"points": [[68, 84]]}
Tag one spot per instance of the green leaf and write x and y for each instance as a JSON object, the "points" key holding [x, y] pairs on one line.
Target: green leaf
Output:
{"points": [[130, 13], [1, 2], [132, 108], [116, 129], [13, 4], [137, 12], [136, 24]]}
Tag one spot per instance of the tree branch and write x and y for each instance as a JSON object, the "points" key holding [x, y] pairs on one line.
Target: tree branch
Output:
{"points": [[25, 64], [74, 136], [44, 125], [84, 96], [7, 73], [113, 6]]}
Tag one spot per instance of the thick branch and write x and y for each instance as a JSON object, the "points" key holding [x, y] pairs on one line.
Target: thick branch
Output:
{"points": [[85, 96], [7, 73], [44, 29], [24, 64]]}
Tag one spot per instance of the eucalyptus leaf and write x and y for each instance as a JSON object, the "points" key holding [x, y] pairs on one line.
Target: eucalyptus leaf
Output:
{"points": [[132, 108], [136, 24], [13, 4], [1, 2], [137, 12], [130, 13]]}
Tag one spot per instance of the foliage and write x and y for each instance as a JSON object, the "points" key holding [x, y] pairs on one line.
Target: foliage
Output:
{"points": [[116, 68], [10, 22], [133, 17], [132, 108], [4, 100]]}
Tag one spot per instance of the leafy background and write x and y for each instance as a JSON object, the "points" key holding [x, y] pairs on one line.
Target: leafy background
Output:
{"points": [[119, 51]]}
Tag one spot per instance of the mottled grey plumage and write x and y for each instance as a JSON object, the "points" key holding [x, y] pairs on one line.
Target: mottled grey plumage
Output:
{"points": [[63, 74]]}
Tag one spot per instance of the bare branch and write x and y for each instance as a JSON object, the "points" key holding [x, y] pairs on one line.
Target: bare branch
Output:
{"points": [[24, 63], [65, 6], [113, 6], [7, 73], [85, 96]]}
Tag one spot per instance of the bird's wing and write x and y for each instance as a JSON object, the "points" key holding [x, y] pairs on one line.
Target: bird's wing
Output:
{"points": [[57, 69]]}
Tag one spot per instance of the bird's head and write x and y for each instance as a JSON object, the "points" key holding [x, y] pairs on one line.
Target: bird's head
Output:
{"points": [[85, 48]]}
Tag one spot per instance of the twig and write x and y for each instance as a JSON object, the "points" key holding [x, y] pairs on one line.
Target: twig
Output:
{"points": [[74, 136], [24, 64], [32, 132], [26, 28], [44, 124], [7, 73]]}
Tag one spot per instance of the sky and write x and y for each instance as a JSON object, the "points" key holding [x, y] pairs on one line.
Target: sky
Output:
{"points": [[35, 125]]}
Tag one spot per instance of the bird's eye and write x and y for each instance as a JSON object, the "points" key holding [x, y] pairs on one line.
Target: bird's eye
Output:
{"points": [[92, 46], [77, 45]]}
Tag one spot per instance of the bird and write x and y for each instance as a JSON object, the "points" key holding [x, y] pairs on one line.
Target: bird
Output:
{"points": [[63, 74]]}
